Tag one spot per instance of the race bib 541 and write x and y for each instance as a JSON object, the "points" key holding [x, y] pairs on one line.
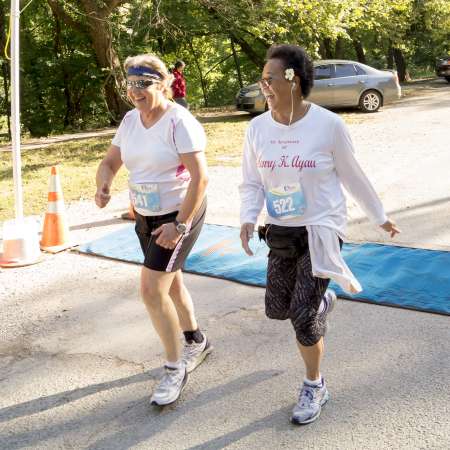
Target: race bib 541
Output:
{"points": [[145, 196]]}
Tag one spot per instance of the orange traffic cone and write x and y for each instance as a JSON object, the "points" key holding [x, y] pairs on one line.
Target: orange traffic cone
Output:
{"points": [[55, 234], [129, 215]]}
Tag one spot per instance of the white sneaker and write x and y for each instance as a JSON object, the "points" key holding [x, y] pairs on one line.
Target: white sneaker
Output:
{"points": [[170, 386], [310, 402], [329, 300], [194, 354]]}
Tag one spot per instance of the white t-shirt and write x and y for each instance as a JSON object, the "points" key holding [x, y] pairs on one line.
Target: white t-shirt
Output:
{"points": [[152, 156], [298, 171]]}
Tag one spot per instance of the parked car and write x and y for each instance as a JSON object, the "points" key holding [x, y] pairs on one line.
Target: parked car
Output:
{"points": [[443, 67], [337, 83]]}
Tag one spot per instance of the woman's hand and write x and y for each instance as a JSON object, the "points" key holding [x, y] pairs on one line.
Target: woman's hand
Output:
{"points": [[102, 196], [247, 230], [390, 227], [168, 235]]}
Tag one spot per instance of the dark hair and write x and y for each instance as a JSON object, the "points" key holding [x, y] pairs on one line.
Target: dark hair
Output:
{"points": [[179, 63], [295, 57]]}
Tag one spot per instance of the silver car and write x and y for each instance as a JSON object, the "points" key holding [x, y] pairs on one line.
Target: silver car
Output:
{"points": [[337, 83]]}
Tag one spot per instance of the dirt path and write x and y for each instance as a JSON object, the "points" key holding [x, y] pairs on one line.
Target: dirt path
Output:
{"points": [[416, 88]]}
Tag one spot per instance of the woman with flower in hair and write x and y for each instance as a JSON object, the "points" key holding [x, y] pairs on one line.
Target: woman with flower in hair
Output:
{"points": [[297, 156], [162, 146]]}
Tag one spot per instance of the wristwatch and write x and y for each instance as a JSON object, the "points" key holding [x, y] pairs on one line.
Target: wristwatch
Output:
{"points": [[180, 226]]}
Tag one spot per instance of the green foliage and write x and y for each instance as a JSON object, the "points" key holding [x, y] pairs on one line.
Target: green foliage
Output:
{"points": [[63, 82]]}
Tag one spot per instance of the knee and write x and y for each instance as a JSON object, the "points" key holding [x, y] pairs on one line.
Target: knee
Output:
{"points": [[176, 291], [152, 296], [308, 332], [307, 340]]}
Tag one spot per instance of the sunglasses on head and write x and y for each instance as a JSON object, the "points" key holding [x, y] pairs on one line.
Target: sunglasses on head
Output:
{"points": [[140, 84]]}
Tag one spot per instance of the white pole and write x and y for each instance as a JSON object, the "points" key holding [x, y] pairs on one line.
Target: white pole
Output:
{"points": [[15, 107]]}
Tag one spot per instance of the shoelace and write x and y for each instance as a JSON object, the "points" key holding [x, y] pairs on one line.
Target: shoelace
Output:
{"points": [[168, 380], [190, 349], [306, 396]]}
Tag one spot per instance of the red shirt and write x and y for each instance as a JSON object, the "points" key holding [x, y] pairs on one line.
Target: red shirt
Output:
{"points": [[179, 84]]}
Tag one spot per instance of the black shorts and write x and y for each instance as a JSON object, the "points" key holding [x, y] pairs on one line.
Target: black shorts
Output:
{"points": [[163, 259], [293, 292]]}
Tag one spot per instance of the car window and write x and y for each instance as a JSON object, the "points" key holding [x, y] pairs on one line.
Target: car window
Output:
{"points": [[322, 72], [345, 70], [360, 70]]}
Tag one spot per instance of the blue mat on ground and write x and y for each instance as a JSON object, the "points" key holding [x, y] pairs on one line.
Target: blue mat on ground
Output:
{"points": [[395, 276]]}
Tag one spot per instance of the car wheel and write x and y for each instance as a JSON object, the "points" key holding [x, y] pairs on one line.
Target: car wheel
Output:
{"points": [[370, 101], [448, 79]]}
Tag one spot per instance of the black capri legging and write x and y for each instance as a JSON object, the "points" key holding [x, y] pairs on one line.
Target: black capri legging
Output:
{"points": [[163, 259], [292, 291]]}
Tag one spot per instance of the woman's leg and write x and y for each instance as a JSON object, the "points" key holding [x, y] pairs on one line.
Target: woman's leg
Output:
{"points": [[183, 303], [312, 356], [155, 288], [309, 327]]}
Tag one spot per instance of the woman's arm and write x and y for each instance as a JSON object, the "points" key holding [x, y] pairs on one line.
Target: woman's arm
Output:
{"points": [[195, 163], [106, 172], [251, 191], [356, 182]]}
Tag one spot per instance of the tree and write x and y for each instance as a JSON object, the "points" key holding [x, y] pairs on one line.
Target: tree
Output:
{"points": [[5, 70], [95, 24]]}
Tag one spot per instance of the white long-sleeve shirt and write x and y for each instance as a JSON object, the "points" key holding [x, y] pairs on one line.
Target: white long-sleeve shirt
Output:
{"points": [[312, 158]]}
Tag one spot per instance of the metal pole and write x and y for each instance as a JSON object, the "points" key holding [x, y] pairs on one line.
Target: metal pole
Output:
{"points": [[15, 107]]}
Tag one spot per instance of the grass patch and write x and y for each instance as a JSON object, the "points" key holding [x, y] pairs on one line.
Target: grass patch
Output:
{"points": [[225, 139], [77, 164], [78, 161]]}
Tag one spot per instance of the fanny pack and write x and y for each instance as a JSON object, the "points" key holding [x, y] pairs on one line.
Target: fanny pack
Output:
{"points": [[287, 242]]}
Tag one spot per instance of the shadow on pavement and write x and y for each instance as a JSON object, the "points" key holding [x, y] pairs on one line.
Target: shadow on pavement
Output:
{"points": [[53, 401]]}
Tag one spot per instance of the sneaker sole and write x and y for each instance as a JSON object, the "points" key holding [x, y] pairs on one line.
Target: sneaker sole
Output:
{"points": [[208, 349], [313, 418], [155, 403]]}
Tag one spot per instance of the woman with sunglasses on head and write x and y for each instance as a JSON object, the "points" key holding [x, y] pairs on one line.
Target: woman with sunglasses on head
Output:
{"points": [[296, 158], [162, 146]]}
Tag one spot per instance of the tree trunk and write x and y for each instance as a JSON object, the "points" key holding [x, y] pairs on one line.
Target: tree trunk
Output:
{"points": [[247, 48], [236, 62], [107, 58], [200, 73], [69, 113], [339, 48], [400, 64], [6, 103], [5, 73], [99, 31], [390, 56], [360, 55], [326, 49]]}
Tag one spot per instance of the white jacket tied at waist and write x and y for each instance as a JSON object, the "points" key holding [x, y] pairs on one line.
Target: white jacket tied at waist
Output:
{"points": [[326, 258]]}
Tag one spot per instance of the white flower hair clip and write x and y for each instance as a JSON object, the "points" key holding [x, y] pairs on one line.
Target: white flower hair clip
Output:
{"points": [[289, 74]]}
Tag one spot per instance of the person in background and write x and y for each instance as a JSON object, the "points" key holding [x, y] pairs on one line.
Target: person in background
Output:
{"points": [[179, 84], [296, 158], [162, 146]]}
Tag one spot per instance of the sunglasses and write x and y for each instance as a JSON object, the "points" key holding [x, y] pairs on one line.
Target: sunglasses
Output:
{"points": [[140, 84], [265, 82]]}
